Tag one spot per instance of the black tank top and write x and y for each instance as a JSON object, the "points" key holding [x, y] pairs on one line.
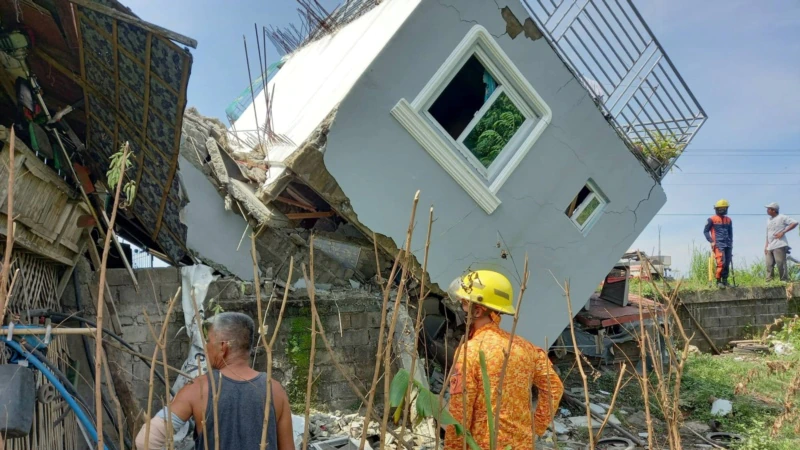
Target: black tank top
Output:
{"points": [[241, 415]]}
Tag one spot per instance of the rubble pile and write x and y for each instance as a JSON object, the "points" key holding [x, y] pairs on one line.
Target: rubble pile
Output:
{"points": [[331, 426]]}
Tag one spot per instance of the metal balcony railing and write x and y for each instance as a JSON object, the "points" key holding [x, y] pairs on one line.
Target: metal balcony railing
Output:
{"points": [[619, 60]]}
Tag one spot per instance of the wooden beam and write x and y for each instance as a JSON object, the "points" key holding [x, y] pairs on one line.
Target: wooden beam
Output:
{"points": [[76, 78], [112, 307], [295, 194], [311, 215], [53, 331], [299, 204], [177, 37], [62, 283]]}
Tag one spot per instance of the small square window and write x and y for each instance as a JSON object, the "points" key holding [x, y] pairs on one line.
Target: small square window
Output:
{"points": [[476, 112], [586, 207]]}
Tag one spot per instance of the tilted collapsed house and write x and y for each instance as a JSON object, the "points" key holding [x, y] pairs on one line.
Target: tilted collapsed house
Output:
{"points": [[541, 128]]}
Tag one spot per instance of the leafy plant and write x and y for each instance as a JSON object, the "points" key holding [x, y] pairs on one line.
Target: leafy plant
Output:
{"points": [[116, 171], [494, 130], [662, 148], [427, 405], [487, 395]]}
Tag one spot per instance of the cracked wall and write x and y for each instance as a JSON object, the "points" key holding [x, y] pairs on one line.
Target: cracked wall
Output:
{"points": [[381, 170], [351, 318]]}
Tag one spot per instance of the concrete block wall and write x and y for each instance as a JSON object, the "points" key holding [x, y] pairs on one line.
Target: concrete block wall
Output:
{"points": [[737, 313], [351, 319]]}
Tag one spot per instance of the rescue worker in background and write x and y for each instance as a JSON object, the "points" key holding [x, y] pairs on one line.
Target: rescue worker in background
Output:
{"points": [[719, 232], [777, 246], [485, 295]]}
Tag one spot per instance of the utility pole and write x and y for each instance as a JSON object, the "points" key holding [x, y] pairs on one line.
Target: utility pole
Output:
{"points": [[659, 242]]}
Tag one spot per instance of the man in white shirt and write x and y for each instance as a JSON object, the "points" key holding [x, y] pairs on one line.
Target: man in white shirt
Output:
{"points": [[777, 244]]}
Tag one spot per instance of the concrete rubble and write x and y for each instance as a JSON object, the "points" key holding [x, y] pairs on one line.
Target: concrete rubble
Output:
{"points": [[326, 426]]}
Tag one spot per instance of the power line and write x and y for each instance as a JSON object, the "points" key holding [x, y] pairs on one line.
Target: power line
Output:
{"points": [[737, 173], [732, 184], [692, 150], [764, 214]]}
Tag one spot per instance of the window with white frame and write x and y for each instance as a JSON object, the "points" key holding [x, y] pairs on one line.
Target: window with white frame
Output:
{"points": [[478, 117], [586, 207]]}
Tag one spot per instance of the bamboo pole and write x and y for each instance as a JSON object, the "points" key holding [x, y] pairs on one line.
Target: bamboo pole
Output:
{"points": [[5, 293], [467, 332], [215, 392], [507, 354], [417, 324], [117, 404], [55, 331], [613, 401], [314, 317], [98, 406], [347, 376], [379, 352], [580, 364], [271, 344], [153, 368], [390, 337]]}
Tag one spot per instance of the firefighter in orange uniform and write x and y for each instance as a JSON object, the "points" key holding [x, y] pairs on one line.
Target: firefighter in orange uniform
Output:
{"points": [[488, 294], [719, 232]]}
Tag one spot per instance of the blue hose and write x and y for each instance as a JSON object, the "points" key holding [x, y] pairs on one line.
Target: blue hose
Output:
{"points": [[60, 387]]}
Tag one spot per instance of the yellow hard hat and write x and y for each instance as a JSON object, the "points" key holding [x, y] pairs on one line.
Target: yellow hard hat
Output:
{"points": [[486, 288], [722, 204]]}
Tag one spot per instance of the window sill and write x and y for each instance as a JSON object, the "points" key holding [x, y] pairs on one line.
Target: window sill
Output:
{"points": [[443, 153]]}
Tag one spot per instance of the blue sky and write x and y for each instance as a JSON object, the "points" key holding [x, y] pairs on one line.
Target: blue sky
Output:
{"points": [[741, 58]]}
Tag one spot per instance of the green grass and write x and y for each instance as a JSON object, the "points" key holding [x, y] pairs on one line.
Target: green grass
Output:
{"points": [[705, 377], [744, 274], [755, 410]]}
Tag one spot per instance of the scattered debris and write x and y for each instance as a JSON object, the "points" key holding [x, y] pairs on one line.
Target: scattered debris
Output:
{"points": [[597, 409], [338, 431], [723, 438], [698, 427], [616, 443], [782, 348], [560, 427], [582, 421], [721, 407]]}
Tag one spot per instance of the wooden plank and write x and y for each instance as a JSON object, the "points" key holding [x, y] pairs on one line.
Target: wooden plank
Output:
{"points": [[115, 51], [299, 204], [67, 222], [147, 62], [122, 256], [314, 215], [62, 283], [112, 307], [76, 78], [177, 37], [22, 239], [82, 57]]}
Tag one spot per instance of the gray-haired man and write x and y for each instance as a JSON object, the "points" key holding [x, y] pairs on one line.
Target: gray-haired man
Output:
{"points": [[240, 406], [777, 244]]}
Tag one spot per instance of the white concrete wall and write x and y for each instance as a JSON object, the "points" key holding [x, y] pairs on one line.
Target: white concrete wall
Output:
{"points": [[380, 166], [214, 233]]}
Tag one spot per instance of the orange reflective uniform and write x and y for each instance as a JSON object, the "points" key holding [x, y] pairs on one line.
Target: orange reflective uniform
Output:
{"points": [[528, 366]]}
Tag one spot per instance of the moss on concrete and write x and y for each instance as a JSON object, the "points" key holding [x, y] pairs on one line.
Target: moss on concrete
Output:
{"points": [[298, 355]]}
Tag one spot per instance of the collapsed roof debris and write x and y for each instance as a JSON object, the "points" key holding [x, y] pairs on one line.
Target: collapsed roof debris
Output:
{"points": [[109, 78], [284, 226]]}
